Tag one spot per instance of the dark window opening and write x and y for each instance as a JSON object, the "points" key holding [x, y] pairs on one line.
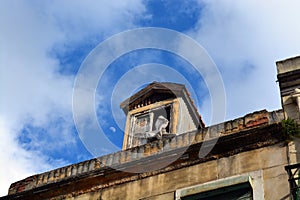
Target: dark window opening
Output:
{"points": [[236, 192]]}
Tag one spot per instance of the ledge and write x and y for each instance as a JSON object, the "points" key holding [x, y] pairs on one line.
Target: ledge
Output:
{"points": [[251, 131]]}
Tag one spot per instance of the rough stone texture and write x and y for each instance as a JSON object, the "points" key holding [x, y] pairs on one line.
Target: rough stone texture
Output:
{"points": [[163, 183], [163, 186], [288, 65], [166, 196], [275, 180], [294, 151]]}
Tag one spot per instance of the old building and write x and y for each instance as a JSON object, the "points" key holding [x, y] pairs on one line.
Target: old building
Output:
{"points": [[252, 157]]}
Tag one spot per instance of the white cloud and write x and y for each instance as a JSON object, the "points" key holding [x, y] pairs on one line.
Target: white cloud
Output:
{"points": [[32, 90], [245, 38], [16, 162]]}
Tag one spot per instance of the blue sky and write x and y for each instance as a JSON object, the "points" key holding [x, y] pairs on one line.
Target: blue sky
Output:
{"points": [[43, 44]]}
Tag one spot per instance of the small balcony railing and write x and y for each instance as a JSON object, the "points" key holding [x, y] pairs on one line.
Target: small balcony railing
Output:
{"points": [[294, 180]]}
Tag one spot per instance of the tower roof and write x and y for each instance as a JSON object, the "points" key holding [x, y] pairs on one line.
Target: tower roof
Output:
{"points": [[158, 91]]}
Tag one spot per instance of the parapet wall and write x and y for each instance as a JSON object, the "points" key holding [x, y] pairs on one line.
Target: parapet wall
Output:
{"points": [[256, 119]]}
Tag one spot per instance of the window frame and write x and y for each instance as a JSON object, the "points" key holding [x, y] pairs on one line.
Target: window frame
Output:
{"points": [[217, 184]]}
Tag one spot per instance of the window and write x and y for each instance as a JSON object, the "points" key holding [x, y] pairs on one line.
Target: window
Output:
{"points": [[146, 122], [143, 123], [234, 188], [236, 192], [146, 126]]}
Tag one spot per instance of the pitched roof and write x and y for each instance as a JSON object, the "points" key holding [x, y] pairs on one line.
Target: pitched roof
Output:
{"points": [[161, 91]]}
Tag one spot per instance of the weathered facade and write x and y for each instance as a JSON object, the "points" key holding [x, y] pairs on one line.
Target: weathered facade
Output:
{"points": [[247, 158]]}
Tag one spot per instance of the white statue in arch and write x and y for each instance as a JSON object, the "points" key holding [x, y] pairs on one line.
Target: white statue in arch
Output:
{"points": [[160, 130]]}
